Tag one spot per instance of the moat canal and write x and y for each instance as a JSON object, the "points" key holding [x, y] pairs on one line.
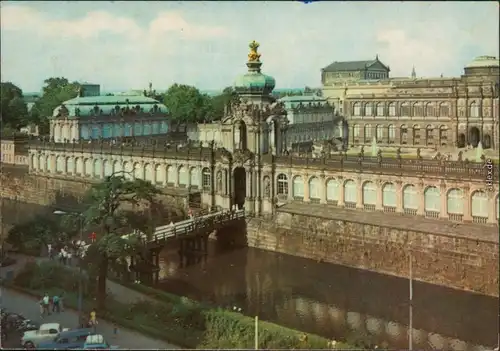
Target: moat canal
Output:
{"points": [[335, 301]]}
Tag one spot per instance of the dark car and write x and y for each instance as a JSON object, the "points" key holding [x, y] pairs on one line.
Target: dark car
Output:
{"points": [[71, 339]]}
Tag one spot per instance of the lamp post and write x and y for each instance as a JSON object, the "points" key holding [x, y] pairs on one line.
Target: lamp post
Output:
{"points": [[80, 283]]}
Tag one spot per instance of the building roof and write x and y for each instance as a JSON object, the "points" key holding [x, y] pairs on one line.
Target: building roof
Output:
{"points": [[484, 61], [85, 106], [352, 65]]}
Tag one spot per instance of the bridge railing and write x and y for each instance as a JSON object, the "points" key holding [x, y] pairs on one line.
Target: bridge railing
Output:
{"points": [[182, 228]]}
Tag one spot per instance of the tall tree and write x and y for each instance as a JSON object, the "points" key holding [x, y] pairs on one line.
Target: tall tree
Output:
{"points": [[186, 104], [14, 112], [220, 101], [109, 210], [55, 92]]}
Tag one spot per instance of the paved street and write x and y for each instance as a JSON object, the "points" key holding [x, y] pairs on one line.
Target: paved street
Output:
{"points": [[17, 302]]}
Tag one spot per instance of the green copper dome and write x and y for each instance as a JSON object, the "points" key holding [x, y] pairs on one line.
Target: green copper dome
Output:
{"points": [[254, 82]]}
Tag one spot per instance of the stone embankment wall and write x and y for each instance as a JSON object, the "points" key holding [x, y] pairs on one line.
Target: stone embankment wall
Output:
{"points": [[461, 263]]}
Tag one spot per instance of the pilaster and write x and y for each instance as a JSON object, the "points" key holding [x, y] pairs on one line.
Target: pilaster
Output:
{"points": [[443, 191], [467, 211], [322, 190], [341, 201], [305, 178], [399, 196], [492, 208], [359, 197], [421, 201], [379, 204]]}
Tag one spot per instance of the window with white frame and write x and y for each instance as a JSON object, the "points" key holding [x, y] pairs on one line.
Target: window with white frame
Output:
{"points": [[332, 190], [392, 109], [389, 198], [97, 168], [183, 176], [159, 172], [171, 174], [432, 199], [206, 179], [79, 166], [357, 109], [455, 201], [392, 132], [410, 197], [480, 204], [298, 187], [282, 184], [356, 131], [314, 188], [48, 162], [194, 174], [369, 193], [368, 131], [34, 161], [70, 165], [380, 109], [60, 164], [350, 191], [369, 109], [380, 132], [88, 167], [474, 110], [41, 162]]}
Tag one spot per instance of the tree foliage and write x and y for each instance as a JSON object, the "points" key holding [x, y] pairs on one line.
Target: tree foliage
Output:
{"points": [[55, 92], [14, 112], [219, 102], [111, 207], [187, 105]]}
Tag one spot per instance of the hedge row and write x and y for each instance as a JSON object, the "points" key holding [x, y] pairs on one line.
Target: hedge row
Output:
{"points": [[175, 319]]}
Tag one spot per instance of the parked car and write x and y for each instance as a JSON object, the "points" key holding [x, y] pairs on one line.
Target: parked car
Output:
{"points": [[97, 342], [71, 339], [46, 332]]}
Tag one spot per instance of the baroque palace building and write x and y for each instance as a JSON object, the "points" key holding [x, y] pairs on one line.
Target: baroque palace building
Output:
{"points": [[246, 165], [416, 112]]}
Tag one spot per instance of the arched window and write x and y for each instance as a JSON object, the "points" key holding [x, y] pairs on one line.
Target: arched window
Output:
{"points": [[97, 168], [350, 193], [80, 166], [183, 176], [60, 164], [149, 174], [282, 184], [429, 110], [455, 201], [368, 131], [138, 171], [194, 174], [41, 162], [48, 162], [117, 167], [480, 206], [356, 109], [356, 130], [298, 187], [417, 110], [108, 168], [159, 172], [474, 110], [432, 200], [392, 132], [369, 109], [405, 109], [392, 109], [410, 199], [207, 179], [70, 165], [88, 167], [380, 109], [314, 188], [389, 195], [332, 190], [369, 193], [128, 169], [380, 132], [171, 175], [34, 162], [444, 110]]}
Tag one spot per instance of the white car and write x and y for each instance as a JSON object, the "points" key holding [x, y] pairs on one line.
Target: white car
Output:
{"points": [[46, 332]]}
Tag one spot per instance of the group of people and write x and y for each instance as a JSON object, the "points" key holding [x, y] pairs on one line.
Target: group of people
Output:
{"points": [[65, 254], [49, 305]]}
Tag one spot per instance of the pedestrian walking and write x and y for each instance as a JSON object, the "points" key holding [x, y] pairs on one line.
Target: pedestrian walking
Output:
{"points": [[46, 304], [93, 319], [55, 304]]}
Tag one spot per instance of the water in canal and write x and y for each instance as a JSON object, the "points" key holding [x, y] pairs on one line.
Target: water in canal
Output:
{"points": [[335, 301]]}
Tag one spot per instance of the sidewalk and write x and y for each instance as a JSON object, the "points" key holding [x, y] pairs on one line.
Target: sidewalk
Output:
{"points": [[17, 302]]}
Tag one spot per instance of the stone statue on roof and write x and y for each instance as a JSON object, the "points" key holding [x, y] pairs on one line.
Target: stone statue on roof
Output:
{"points": [[253, 55]]}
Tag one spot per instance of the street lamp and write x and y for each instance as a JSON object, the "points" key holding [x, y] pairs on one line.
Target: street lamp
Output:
{"points": [[80, 283]]}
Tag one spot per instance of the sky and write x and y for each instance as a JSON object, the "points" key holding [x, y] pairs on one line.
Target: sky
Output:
{"points": [[126, 45]]}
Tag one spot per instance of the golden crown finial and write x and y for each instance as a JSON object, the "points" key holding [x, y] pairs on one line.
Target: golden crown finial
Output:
{"points": [[253, 56]]}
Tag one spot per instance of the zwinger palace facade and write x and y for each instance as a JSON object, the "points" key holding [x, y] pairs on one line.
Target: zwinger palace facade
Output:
{"points": [[416, 112]]}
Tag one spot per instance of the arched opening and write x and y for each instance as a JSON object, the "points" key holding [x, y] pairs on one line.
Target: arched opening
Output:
{"points": [[461, 140], [486, 141], [474, 136], [240, 188], [240, 136]]}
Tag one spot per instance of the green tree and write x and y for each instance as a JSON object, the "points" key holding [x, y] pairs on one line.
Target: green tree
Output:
{"points": [[219, 102], [187, 105], [111, 203], [55, 92], [14, 112]]}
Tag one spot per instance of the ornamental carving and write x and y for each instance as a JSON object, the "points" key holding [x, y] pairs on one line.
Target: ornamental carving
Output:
{"points": [[242, 156], [267, 187]]}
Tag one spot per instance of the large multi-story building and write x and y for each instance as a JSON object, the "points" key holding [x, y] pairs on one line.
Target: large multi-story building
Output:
{"points": [[93, 116], [418, 112]]}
